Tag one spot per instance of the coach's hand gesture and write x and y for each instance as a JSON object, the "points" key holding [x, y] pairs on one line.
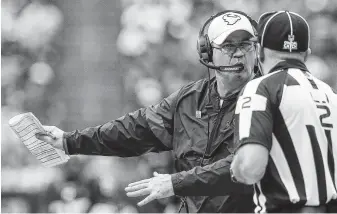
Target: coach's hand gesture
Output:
{"points": [[159, 186], [53, 136]]}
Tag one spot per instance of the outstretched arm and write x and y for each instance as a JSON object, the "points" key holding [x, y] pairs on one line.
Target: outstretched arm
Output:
{"points": [[145, 130], [209, 180]]}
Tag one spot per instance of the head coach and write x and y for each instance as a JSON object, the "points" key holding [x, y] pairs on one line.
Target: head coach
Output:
{"points": [[196, 123]]}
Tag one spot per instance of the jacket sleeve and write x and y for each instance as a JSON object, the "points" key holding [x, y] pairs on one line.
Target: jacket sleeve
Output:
{"points": [[145, 130], [210, 180]]}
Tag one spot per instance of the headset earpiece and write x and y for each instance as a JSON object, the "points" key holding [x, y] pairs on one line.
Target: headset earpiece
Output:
{"points": [[204, 49]]}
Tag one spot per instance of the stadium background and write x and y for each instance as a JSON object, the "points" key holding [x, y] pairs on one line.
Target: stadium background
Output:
{"points": [[81, 63]]}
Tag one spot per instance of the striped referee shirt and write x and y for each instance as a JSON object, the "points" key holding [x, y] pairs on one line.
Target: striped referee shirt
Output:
{"points": [[294, 115]]}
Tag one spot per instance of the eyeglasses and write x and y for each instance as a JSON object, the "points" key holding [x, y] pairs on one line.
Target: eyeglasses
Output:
{"points": [[230, 48]]}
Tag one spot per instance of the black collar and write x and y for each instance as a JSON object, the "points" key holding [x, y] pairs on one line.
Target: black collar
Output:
{"points": [[215, 94], [215, 97], [289, 63]]}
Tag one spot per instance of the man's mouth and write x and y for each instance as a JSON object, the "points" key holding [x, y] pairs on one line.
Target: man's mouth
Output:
{"points": [[235, 68]]}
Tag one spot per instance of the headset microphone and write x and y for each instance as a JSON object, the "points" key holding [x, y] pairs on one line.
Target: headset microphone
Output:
{"points": [[223, 68]]}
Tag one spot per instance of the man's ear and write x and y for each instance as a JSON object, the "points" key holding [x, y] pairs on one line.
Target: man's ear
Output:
{"points": [[257, 49], [259, 59], [307, 53], [259, 52]]}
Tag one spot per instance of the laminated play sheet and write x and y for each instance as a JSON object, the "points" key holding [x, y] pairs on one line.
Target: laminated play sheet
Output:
{"points": [[25, 126]]}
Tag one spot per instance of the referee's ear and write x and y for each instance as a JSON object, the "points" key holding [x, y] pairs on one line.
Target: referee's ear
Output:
{"points": [[307, 53], [259, 53]]}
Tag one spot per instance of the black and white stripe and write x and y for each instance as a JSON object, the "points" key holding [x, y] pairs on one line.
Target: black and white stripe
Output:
{"points": [[303, 155]]}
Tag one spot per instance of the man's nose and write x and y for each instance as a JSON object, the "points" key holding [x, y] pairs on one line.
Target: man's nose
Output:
{"points": [[238, 53]]}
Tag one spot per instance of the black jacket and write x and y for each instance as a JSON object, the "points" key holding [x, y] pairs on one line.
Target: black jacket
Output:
{"points": [[179, 123]]}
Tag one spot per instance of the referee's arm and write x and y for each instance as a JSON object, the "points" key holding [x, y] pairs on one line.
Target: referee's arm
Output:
{"points": [[253, 134], [250, 163]]}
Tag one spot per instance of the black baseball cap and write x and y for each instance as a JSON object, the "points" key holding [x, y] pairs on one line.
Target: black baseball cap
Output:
{"points": [[283, 31]]}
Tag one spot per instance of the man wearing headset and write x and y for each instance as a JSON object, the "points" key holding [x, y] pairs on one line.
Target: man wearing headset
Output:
{"points": [[196, 123]]}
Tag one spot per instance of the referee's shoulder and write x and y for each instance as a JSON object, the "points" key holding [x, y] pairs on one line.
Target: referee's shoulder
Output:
{"points": [[324, 86], [268, 80], [270, 86]]}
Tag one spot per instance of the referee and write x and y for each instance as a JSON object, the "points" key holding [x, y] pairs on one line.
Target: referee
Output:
{"points": [[286, 127]]}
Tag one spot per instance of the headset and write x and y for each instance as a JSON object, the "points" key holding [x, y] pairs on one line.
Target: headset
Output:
{"points": [[204, 47]]}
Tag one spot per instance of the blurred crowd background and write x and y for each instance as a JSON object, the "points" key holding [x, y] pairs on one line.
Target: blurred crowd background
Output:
{"points": [[81, 63]]}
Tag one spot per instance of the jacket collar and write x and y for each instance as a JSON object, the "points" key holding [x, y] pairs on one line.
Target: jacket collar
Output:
{"points": [[215, 97], [289, 63]]}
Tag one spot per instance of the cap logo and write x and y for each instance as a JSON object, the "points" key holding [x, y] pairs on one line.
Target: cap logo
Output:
{"points": [[291, 44], [231, 18]]}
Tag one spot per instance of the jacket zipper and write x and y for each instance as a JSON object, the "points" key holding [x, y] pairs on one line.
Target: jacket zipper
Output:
{"points": [[215, 128]]}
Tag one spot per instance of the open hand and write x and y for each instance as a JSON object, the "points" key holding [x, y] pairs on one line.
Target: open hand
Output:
{"points": [[159, 186]]}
